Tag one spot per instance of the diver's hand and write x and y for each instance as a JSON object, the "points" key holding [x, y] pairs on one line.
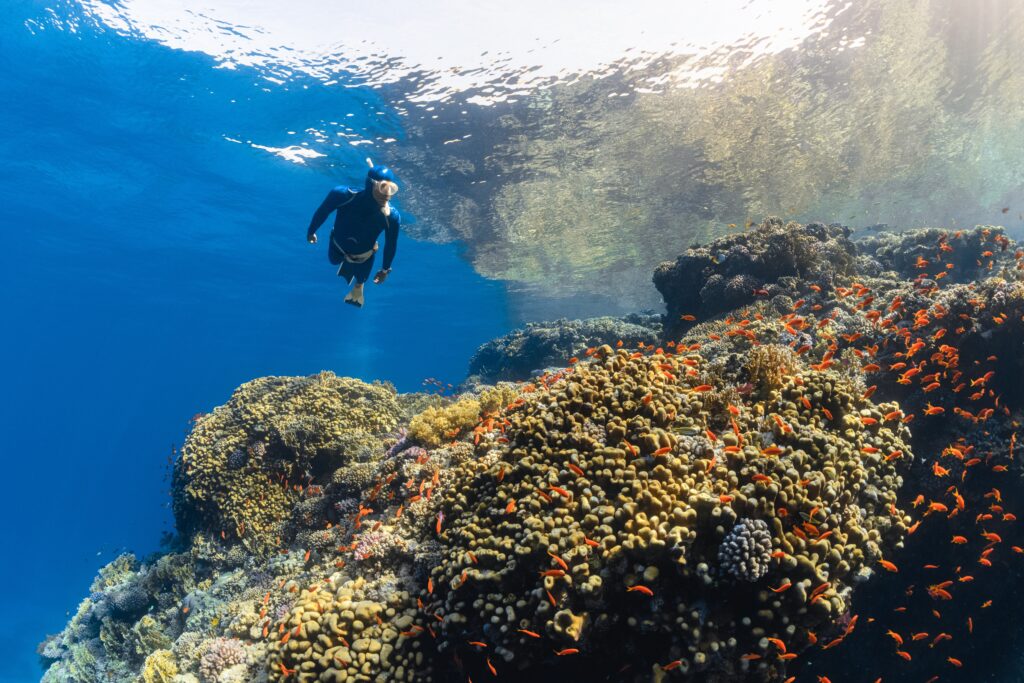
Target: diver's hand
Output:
{"points": [[381, 276], [311, 237]]}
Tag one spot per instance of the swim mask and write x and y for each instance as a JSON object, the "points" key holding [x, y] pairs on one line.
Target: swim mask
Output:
{"points": [[381, 180]]}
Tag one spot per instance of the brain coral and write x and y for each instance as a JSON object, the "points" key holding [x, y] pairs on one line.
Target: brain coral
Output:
{"points": [[561, 541], [292, 430]]}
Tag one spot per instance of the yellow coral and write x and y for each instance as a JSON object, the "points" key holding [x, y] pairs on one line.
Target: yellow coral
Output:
{"points": [[437, 425], [769, 364], [160, 667], [239, 468]]}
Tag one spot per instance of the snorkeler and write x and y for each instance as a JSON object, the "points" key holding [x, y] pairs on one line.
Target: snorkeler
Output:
{"points": [[361, 217]]}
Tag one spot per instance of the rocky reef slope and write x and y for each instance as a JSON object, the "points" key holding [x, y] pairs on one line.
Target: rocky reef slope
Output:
{"points": [[736, 492]]}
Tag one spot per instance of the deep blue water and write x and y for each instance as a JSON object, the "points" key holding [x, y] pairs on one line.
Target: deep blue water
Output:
{"points": [[147, 267]]}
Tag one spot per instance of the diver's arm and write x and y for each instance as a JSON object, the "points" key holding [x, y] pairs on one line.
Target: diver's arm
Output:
{"points": [[335, 198], [390, 245], [391, 238]]}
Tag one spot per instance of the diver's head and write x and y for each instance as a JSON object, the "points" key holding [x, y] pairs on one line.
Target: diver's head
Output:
{"points": [[380, 181]]}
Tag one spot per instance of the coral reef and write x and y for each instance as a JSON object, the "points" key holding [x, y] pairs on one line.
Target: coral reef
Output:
{"points": [[290, 430], [969, 253], [708, 505], [520, 354], [340, 635], [605, 535], [731, 272]]}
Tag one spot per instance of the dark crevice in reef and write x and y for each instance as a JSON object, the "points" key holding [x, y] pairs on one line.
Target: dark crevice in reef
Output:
{"points": [[807, 467]]}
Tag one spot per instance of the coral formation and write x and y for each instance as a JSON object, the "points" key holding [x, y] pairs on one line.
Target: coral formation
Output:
{"points": [[218, 656], [291, 430], [612, 531], [521, 353], [734, 271], [746, 551], [703, 507], [160, 667], [341, 635], [437, 425]]}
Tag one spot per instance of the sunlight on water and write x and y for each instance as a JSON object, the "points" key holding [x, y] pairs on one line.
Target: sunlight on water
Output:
{"points": [[511, 48], [572, 148]]}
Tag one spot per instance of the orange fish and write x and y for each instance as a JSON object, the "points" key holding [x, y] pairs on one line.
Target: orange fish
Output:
{"points": [[640, 589], [888, 566], [559, 560]]}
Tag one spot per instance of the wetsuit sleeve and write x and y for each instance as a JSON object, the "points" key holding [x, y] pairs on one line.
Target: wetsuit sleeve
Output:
{"points": [[391, 237], [334, 199]]}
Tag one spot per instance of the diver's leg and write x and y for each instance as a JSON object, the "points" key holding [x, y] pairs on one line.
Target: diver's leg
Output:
{"points": [[361, 272], [355, 296]]}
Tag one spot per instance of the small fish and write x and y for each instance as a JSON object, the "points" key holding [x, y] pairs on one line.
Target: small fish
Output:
{"points": [[560, 491], [888, 566], [561, 563], [640, 589]]}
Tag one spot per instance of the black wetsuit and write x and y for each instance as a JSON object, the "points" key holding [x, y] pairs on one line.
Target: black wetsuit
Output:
{"points": [[358, 223]]}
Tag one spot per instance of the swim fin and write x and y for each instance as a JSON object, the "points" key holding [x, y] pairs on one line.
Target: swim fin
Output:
{"points": [[355, 296]]}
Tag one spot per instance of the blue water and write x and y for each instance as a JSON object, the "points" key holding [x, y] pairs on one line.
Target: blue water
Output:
{"points": [[147, 267]]}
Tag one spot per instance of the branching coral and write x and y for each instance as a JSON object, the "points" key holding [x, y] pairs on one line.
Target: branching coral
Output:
{"points": [[437, 425]]}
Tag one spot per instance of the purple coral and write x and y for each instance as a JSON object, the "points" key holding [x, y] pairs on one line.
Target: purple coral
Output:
{"points": [[376, 544], [400, 445], [221, 654]]}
